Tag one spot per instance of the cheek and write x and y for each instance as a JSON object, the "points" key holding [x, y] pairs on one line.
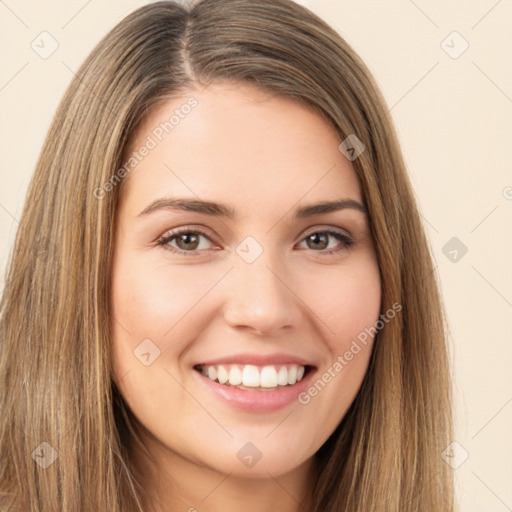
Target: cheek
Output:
{"points": [[348, 305], [156, 309], [150, 296], [158, 302], [346, 302]]}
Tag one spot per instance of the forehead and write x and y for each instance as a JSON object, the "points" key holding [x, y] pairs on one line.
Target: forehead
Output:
{"points": [[238, 144]]}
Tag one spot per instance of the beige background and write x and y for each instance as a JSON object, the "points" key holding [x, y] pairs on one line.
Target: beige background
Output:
{"points": [[454, 119]]}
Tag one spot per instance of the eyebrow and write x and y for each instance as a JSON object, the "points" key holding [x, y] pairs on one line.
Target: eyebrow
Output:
{"points": [[222, 210]]}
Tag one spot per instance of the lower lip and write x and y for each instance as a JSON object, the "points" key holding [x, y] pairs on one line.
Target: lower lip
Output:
{"points": [[257, 401]]}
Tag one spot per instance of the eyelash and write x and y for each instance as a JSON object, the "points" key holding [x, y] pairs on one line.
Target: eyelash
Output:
{"points": [[348, 242]]}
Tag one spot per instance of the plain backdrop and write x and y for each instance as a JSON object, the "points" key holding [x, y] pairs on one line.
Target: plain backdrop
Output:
{"points": [[446, 73]]}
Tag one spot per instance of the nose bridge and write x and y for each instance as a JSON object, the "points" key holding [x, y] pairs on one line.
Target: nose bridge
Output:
{"points": [[258, 295]]}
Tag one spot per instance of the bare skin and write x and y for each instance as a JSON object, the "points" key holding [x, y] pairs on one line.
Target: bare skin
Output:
{"points": [[264, 157]]}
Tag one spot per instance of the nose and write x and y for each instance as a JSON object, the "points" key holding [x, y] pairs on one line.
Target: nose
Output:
{"points": [[260, 298]]}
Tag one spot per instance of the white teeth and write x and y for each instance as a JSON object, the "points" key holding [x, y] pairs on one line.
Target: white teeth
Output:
{"points": [[235, 376], [268, 377], [212, 373], [222, 374], [251, 376], [282, 376], [292, 374]]}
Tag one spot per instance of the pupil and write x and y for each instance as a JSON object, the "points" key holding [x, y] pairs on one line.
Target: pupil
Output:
{"points": [[316, 238], [186, 240]]}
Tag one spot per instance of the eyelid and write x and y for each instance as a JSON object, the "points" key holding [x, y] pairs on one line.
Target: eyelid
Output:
{"points": [[204, 231], [327, 229], [171, 234], [345, 238]]}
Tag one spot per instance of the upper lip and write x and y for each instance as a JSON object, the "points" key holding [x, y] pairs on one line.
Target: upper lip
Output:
{"points": [[257, 360]]}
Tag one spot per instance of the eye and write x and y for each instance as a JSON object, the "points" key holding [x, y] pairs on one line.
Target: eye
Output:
{"points": [[319, 241], [189, 241], [186, 241]]}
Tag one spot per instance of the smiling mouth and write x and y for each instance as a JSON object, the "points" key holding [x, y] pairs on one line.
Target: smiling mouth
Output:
{"points": [[255, 378]]}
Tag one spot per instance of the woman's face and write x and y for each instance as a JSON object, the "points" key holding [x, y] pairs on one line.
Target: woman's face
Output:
{"points": [[222, 261]]}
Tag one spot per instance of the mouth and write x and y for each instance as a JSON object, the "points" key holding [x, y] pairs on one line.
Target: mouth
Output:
{"points": [[251, 377], [253, 388]]}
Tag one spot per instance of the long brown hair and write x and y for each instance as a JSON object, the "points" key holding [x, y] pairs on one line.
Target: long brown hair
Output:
{"points": [[55, 366]]}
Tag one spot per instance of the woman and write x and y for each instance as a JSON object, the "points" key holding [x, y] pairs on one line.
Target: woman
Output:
{"points": [[221, 294]]}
